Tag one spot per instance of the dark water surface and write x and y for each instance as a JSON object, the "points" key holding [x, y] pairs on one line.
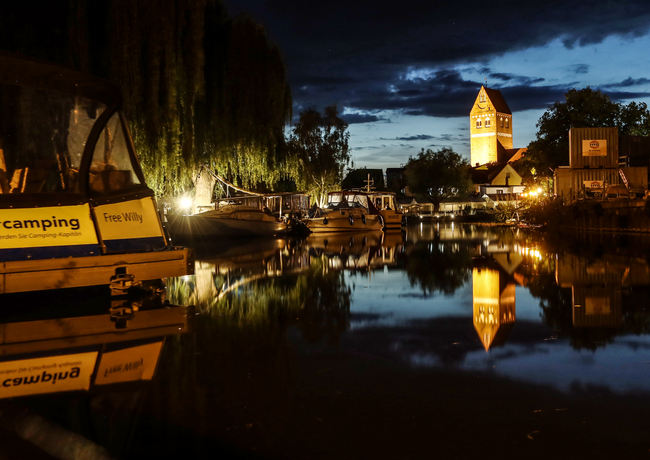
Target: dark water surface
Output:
{"points": [[446, 341]]}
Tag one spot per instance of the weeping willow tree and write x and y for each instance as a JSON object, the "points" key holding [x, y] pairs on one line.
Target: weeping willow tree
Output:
{"points": [[202, 88], [199, 86], [245, 135]]}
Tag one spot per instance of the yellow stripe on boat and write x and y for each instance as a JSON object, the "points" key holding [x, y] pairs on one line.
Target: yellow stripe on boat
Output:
{"points": [[46, 227]]}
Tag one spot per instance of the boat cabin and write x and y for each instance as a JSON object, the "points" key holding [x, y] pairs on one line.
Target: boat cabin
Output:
{"points": [[71, 187], [349, 199]]}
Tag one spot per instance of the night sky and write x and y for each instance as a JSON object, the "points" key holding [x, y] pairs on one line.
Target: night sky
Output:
{"points": [[406, 73]]}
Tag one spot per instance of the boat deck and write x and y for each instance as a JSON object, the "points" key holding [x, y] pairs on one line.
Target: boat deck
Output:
{"points": [[45, 274]]}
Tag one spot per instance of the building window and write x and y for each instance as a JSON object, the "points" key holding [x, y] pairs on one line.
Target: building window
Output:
{"points": [[478, 123], [487, 122], [501, 122], [482, 97], [507, 123]]}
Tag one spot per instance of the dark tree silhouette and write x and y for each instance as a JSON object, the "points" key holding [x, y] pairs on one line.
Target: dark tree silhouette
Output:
{"points": [[200, 87], [584, 108]]}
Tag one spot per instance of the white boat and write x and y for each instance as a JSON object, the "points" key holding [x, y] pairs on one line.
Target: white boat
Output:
{"points": [[241, 216], [236, 218], [346, 211]]}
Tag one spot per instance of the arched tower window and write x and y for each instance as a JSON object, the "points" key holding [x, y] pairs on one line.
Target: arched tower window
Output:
{"points": [[507, 123], [482, 97], [487, 122], [501, 122], [478, 123]]}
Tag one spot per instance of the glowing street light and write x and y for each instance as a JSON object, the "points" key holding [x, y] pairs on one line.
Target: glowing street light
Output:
{"points": [[186, 203]]}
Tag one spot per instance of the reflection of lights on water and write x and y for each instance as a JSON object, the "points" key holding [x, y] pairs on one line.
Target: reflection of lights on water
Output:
{"points": [[531, 252]]}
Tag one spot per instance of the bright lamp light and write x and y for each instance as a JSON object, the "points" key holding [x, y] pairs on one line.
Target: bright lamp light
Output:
{"points": [[186, 202]]}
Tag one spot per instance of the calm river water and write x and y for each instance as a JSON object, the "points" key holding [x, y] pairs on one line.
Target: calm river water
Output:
{"points": [[444, 341]]}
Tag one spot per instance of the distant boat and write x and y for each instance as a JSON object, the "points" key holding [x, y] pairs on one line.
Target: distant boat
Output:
{"points": [[346, 211]]}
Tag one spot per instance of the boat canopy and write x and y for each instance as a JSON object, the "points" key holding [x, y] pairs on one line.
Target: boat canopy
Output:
{"points": [[63, 137], [345, 199]]}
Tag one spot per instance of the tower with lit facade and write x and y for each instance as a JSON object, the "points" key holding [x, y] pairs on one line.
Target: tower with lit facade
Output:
{"points": [[490, 127]]}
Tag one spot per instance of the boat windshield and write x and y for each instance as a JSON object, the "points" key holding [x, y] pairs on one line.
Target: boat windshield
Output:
{"points": [[111, 168], [42, 138], [383, 201], [346, 200]]}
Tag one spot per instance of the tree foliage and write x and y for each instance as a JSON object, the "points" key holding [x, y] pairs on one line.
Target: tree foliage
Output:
{"points": [[213, 90], [437, 175], [199, 86], [320, 144], [358, 178], [584, 108]]}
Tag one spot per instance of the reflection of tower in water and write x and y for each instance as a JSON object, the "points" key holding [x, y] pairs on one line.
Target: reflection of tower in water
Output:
{"points": [[493, 307]]}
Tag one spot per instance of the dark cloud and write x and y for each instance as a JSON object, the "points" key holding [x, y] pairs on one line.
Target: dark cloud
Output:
{"points": [[355, 54], [580, 68], [628, 82], [353, 118], [516, 79], [419, 137], [424, 137]]}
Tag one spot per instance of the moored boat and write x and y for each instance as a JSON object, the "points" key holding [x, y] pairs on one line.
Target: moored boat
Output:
{"points": [[244, 215], [346, 211], [232, 219], [74, 207]]}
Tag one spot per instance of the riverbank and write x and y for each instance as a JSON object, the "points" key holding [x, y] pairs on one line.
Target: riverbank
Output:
{"points": [[624, 215]]}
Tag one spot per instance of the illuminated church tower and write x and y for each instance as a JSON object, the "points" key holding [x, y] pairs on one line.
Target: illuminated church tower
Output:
{"points": [[490, 127]]}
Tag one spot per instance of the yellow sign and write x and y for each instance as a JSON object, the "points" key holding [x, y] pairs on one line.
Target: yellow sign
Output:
{"points": [[43, 227], [129, 219], [594, 148], [131, 364], [46, 375]]}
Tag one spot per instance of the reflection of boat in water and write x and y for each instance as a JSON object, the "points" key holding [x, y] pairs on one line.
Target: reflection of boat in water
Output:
{"points": [[346, 211], [346, 249], [344, 242], [86, 372], [50, 354], [74, 207]]}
